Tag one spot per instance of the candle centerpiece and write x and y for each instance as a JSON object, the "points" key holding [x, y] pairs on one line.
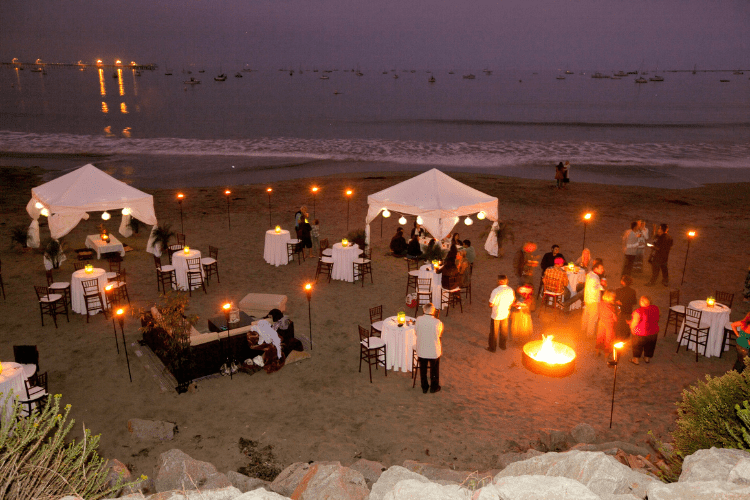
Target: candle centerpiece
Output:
{"points": [[88, 269], [344, 243], [571, 266], [186, 250], [401, 318], [710, 302], [278, 229], [103, 233]]}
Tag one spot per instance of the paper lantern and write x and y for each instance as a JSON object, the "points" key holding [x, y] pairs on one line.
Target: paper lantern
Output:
{"points": [[386, 213], [186, 250], [419, 220], [278, 229], [45, 212], [106, 216], [402, 220], [126, 211], [401, 318], [481, 215], [468, 221], [38, 205], [88, 269]]}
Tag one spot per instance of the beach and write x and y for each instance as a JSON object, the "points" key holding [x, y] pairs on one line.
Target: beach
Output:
{"points": [[323, 408]]}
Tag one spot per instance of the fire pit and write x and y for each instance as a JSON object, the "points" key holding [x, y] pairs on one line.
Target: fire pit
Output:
{"points": [[549, 358]]}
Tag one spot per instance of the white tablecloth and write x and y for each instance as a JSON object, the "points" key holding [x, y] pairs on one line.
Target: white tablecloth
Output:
{"points": [[11, 379], [94, 241], [274, 251], [76, 288], [715, 318], [573, 279], [427, 272], [179, 261], [399, 344], [343, 258]]}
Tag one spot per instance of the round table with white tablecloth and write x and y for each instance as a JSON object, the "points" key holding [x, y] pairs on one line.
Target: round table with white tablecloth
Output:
{"points": [[399, 344], [428, 272], [11, 379], [575, 276], [343, 260], [78, 303], [179, 261], [274, 251], [715, 318]]}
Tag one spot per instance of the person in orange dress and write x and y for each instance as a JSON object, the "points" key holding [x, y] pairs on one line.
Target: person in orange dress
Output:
{"points": [[605, 334]]}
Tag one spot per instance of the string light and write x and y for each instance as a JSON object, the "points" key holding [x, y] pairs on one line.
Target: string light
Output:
{"points": [[106, 216], [38, 205], [386, 213], [468, 221], [126, 211], [481, 215], [402, 220], [419, 220]]}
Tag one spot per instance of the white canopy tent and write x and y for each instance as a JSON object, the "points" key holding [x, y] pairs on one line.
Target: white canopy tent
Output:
{"points": [[68, 199], [439, 199]]}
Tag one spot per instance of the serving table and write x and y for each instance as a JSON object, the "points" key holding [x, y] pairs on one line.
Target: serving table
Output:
{"points": [[179, 261], [399, 344], [94, 242], [274, 250], [343, 260], [715, 318], [77, 302]]}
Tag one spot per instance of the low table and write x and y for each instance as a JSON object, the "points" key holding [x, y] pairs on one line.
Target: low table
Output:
{"points": [[219, 323], [94, 242]]}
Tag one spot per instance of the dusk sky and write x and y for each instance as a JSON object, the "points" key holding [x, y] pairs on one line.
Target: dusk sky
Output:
{"points": [[384, 34]]}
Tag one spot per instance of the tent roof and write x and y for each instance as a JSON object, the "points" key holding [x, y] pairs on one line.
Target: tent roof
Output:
{"points": [[87, 189]]}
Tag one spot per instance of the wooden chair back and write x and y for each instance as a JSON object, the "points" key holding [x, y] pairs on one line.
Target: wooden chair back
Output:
{"points": [[424, 285], [42, 292], [213, 252], [364, 336], [90, 287], [693, 318], [412, 264], [194, 264], [674, 298], [79, 265], [725, 298], [376, 314]]}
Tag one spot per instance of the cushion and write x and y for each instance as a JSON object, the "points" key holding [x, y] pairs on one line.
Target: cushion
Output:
{"points": [[327, 260], [678, 309], [258, 304], [378, 325], [328, 252], [59, 285], [51, 297], [374, 343], [206, 261]]}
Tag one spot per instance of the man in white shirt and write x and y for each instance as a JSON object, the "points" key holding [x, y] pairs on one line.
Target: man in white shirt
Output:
{"points": [[429, 329], [592, 296], [501, 299], [630, 244]]}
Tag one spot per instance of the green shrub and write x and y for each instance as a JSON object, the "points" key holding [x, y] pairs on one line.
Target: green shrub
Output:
{"points": [[707, 417], [743, 442], [357, 236], [36, 462]]}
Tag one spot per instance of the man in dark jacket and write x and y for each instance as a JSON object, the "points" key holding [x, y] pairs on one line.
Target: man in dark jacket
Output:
{"points": [[660, 256]]}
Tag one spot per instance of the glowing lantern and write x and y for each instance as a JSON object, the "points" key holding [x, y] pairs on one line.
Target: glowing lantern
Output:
{"points": [[88, 269], [691, 234], [278, 229], [402, 220], [186, 250], [38, 205], [269, 190], [126, 211], [45, 212], [118, 62], [98, 62], [105, 237], [106, 215], [481, 215], [344, 242], [571, 266], [710, 302], [419, 220], [401, 318], [386, 213], [468, 221], [435, 263], [587, 217]]}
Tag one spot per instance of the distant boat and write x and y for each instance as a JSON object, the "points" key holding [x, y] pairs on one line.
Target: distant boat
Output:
{"points": [[201, 71], [695, 69], [487, 72], [359, 73], [414, 71], [597, 75], [168, 72], [656, 78], [221, 77], [238, 75], [621, 73], [644, 72], [632, 72], [641, 80], [192, 81], [36, 70], [431, 80], [385, 72], [469, 76]]}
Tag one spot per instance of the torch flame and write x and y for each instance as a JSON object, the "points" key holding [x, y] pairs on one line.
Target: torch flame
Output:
{"points": [[550, 352]]}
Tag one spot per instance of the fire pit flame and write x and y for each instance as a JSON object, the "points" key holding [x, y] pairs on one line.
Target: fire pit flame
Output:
{"points": [[548, 357]]}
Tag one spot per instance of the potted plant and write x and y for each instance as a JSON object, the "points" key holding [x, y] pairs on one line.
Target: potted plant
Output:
{"points": [[19, 236], [54, 251], [162, 234], [357, 236]]}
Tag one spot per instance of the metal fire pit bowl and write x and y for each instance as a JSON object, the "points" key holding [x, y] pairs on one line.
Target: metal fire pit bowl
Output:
{"points": [[544, 368]]}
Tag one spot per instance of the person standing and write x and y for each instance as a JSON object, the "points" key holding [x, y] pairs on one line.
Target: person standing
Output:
{"points": [[645, 329], [559, 174], [471, 254], [315, 233], [429, 329], [659, 258], [592, 296], [605, 334], [626, 298], [501, 300], [299, 218], [566, 173], [630, 241], [741, 330], [642, 239]]}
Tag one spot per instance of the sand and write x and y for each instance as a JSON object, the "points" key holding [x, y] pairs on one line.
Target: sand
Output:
{"points": [[322, 408]]}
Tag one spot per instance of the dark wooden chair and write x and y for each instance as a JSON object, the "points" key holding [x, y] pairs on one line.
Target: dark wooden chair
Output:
{"points": [[725, 298], [115, 263], [325, 267], [36, 385], [372, 350], [294, 247], [676, 314], [452, 295], [34, 402], [120, 287], [51, 304], [165, 275], [728, 339], [466, 286], [362, 266], [325, 248], [211, 264], [551, 297], [176, 247], [376, 320], [92, 297], [412, 266], [424, 293], [26, 355], [79, 265], [195, 275], [62, 287], [695, 332]]}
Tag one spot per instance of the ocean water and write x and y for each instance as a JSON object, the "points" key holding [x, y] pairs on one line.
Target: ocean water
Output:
{"points": [[505, 120]]}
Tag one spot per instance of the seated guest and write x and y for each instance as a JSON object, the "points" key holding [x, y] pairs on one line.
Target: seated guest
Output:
{"points": [[548, 260], [417, 230], [645, 329], [471, 254], [398, 243], [414, 250], [449, 271], [555, 279], [584, 261], [464, 269], [433, 251], [429, 349]]}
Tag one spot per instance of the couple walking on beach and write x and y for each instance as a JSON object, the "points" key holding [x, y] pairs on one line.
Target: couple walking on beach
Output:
{"points": [[561, 174]]}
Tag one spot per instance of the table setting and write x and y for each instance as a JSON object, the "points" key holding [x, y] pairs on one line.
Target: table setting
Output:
{"points": [[714, 315], [344, 254], [111, 244], [77, 302], [274, 249], [400, 336], [179, 261]]}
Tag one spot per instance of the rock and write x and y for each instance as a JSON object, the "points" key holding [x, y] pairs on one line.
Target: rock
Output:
{"points": [[698, 490], [618, 496], [151, 429], [228, 493], [286, 482], [583, 433], [331, 481], [505, 459], [598, 472], [178, 471], [711, 465], [261, 494], [117, 470], [245, 483], [370, 470], [535, 487], [554, 440], [388, 480], [607, 447], [435, 473], [414, 489], [740, 473]]}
